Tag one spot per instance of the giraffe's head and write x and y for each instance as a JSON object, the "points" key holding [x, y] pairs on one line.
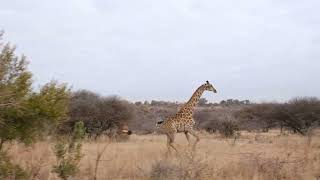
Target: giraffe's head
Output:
{"points": [[209, 87], [158, 123], [158, 126]]}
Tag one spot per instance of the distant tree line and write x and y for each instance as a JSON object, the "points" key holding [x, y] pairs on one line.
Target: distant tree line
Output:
{"points": [[297, 115], [157, 103], [202, 102], [229, 102]]}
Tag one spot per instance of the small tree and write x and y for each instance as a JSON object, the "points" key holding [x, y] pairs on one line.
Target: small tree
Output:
{"points": [[15, 85], [68, 153], [227, 125], [228, 128], [38, 114], [15, 79], [23, 113]]}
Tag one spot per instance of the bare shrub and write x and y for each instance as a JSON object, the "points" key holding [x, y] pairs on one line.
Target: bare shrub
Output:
{"points": [[187, 167], [252, 166], [101, 115], [163, 170], [300, 114], [258, 116], [228, 128]]}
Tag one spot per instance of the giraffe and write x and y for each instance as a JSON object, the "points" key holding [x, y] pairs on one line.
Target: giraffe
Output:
{"points": [[183, 120]]}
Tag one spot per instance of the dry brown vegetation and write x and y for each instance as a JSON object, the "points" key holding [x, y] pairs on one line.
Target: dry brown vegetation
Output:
{"points": [[251, 156]]}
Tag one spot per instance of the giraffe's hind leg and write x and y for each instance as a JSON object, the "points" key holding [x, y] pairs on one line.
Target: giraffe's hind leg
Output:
{"points": [[187, 136], [193, 133], [170, 141], [168, 145]]}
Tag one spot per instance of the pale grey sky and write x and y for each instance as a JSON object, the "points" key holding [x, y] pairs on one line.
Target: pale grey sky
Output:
{"points": [[260, 50]]}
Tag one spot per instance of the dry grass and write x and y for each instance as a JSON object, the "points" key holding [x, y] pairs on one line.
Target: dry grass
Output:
{"points": [[252, 156]]}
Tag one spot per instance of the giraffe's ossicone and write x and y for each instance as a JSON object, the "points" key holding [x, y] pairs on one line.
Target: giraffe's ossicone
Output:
{"points": [[183, 120]]}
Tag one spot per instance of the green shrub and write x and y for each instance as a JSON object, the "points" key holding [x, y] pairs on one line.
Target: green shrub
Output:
{"points": [[8, 170], [68, 153]]}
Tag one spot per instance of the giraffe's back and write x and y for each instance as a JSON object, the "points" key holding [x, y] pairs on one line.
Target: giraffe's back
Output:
{"points": [[168, 126], [183, 124]]}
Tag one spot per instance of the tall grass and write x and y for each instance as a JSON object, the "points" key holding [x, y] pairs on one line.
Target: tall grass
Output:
{"points": [[254, 156]]}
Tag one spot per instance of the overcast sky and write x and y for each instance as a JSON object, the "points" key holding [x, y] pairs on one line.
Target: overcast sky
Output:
{"points": [[261, 50]]}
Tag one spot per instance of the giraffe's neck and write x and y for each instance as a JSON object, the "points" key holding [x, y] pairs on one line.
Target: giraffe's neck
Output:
{"points": [[189, 106]]}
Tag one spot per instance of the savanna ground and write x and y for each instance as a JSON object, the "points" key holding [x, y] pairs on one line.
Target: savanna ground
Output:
{"points": [[251, 156]]}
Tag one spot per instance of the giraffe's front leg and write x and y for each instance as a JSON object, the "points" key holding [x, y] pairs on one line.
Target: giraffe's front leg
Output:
{"points": [[187, 136]]}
